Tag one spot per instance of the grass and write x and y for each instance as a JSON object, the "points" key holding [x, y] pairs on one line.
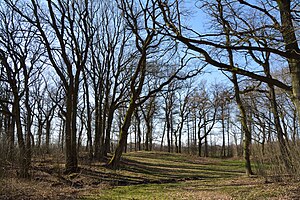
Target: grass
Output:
{"points": [[147, 175], [189, 177]]}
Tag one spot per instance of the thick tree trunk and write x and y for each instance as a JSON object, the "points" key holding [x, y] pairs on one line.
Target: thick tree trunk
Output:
{"points": [[24, 168], [98, 128], [28, 149], [71, 165], [291, 46]]}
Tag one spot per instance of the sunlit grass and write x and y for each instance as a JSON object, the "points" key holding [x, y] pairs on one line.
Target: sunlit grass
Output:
{"points": [[181, 176], [189, 177]]}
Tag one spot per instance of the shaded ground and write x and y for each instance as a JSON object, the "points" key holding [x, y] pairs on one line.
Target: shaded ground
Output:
{"points": [[145, 175]]}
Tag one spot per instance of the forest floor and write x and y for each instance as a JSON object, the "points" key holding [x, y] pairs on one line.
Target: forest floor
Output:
{"points": [[145, 175]]}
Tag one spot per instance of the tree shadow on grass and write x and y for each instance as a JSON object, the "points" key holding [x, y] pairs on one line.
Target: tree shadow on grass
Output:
{"points": [[176, 171]]}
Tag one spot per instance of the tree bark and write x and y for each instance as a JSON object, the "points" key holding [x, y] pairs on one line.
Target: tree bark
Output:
{"points": [[115, 161], [291, 46], [71, 165]]}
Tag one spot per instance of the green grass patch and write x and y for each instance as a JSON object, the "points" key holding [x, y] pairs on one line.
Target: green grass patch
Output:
{"points": [[177, 176]]}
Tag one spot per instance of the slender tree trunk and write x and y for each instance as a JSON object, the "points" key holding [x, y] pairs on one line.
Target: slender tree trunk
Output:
{"points": [[180, 135], [98, 126], [188, 134], [147, 136], [171, 131], [168, 130], [139, 131], [11, 134], [163, 136], [89, 118], [205, 141], [245, 128], [280, 135], [39, 133], [246, 131], [229, 153], [223, 152], [199, 139], [115, 161], [48, 126], [108, 129]]}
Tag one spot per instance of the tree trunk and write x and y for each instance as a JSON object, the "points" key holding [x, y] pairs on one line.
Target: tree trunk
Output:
{"points": [[223, 152], [24, 168], [110, 118], [89, 118], [180, 135], [205, 142], [48, 126], [98, 126], [71, 165], [188, 134], [163, 136], [168, 130], [245, 128], [148, 132], [115, 161], [11, 134], [139, 132], [246, 131], [291, 46]]}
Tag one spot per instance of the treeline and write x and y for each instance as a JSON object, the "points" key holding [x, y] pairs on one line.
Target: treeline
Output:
{"points": [[128, 71]]}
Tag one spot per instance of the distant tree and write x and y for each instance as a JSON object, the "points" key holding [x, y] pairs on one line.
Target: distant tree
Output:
{"points": [[206, 107], [169, 108], [148, 114], [183, 95]]}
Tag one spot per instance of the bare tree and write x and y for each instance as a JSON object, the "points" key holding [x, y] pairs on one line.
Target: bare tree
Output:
{"points": [[140, 17], [65, 30], [19, 57]]}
